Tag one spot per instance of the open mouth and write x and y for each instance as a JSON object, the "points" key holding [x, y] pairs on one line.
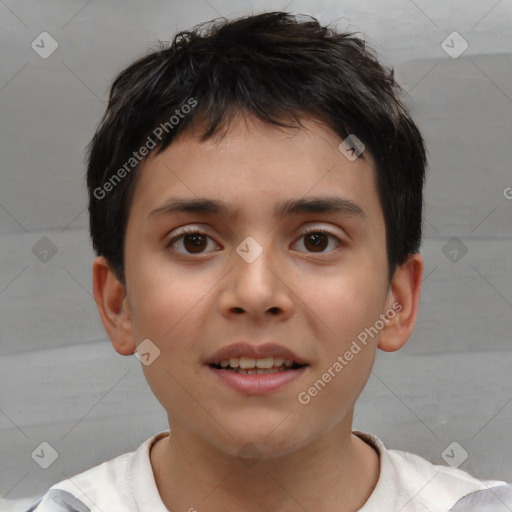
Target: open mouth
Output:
{"points": [[252, 366]]}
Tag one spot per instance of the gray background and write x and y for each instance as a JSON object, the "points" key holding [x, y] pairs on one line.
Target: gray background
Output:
{"points": [[61, 381]]}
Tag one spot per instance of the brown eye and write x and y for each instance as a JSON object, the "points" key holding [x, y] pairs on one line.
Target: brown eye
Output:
{"points": [[317, 241], [192, 241]]}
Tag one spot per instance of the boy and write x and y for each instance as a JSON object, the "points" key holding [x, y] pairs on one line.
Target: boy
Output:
{"points": [[256, 206]]}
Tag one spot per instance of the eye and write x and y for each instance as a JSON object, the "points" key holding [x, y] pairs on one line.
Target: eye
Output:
{"points": [[317, 240], [193, 240]]}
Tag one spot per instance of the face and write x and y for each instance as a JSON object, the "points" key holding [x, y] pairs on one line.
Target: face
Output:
{"points": [[307, 280]]}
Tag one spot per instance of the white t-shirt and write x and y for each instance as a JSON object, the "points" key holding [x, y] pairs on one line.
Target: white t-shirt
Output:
{"points": [[407, 483]]}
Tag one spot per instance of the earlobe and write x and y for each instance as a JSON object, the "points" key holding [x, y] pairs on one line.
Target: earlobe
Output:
{"points": [[112, 302], [403, 298]]}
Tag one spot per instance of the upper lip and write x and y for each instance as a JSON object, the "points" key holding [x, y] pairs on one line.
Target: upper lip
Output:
{"points": [[259, 351]]}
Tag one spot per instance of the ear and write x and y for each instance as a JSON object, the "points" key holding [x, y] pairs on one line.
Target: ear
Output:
{"points": [[403, 298], [112, 302]]}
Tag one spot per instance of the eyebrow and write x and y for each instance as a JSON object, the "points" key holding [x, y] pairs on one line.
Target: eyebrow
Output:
{"points": [[317, 204]]}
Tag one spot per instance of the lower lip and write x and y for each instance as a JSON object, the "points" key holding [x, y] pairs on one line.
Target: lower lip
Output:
{"points": [[257, 384]]}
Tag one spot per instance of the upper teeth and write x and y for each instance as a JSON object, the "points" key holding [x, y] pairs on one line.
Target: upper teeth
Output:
{"points": [[249, 362]]}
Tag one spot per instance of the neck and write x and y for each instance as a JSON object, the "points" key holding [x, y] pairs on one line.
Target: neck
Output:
{"points": [[335, 472]]}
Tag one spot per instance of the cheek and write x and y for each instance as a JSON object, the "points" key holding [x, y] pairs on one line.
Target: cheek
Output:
{"points": [[346, 304], [162, 298], [352, 303], [167, 311]]}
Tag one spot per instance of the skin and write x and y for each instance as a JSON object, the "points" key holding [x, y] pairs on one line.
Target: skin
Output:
{"points": [[314, 302]]}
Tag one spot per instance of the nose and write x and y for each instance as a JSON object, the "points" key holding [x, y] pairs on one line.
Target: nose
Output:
{"points": [[257, 287]]}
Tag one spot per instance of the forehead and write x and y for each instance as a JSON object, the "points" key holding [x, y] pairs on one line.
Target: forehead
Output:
{"points": [[257, 168]]}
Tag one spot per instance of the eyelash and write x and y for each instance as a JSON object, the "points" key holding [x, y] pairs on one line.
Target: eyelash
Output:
{"points": [[194, 231]]}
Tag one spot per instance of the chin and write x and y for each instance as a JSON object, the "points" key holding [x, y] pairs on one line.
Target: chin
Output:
{"points": [[260, 437]]}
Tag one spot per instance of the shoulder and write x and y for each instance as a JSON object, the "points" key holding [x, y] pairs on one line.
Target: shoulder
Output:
{"points": [[495, 499], [423, 486], [436, 484], [103, 487], [83, 492], [58, 500]]}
